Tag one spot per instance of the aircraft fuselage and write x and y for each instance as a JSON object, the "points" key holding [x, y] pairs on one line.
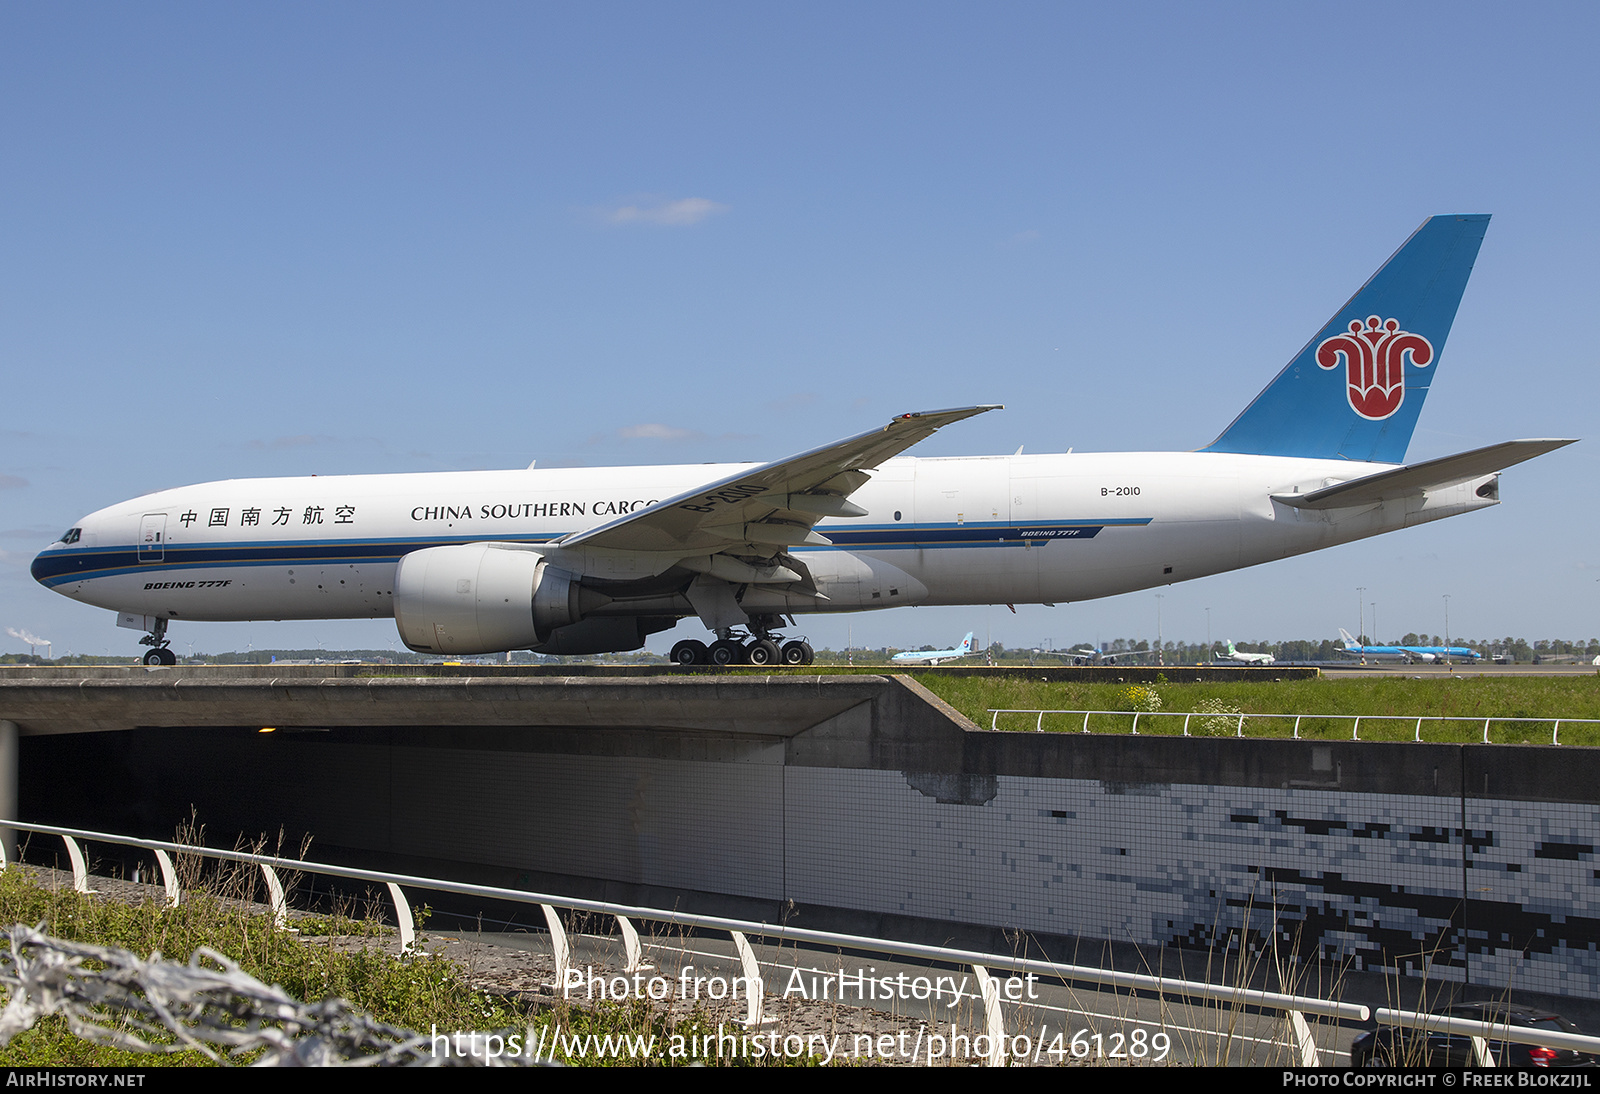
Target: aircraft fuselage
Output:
{"points": [[948, 531]]}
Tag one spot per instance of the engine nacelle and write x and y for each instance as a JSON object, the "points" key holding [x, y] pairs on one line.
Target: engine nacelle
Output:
{"points": [[480, 598]]}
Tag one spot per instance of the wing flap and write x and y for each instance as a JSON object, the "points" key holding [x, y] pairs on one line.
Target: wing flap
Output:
{"points": [[1418, 478]]}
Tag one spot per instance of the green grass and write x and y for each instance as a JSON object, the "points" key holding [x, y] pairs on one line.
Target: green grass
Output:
{"points": [[1467, 697]]}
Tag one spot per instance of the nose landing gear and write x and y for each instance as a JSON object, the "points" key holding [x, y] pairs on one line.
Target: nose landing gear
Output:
{"points": [[158, 654]]}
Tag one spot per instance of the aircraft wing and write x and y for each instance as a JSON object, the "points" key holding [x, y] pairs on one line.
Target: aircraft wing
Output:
{"points": [[773, 504], [1428, 475]]}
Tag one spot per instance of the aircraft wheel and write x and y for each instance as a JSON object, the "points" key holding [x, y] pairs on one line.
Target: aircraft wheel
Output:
{"points": [[796, 653], [153, 657], [763, 651], [689, 652], [725, 652]]}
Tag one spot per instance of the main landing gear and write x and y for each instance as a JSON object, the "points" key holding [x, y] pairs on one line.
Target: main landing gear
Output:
{"points": [[159, 654], [729, 649]]}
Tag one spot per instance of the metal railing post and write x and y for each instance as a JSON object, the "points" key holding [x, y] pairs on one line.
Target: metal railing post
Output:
{"points": [[169, 877], [631, 947], [80, 869], [755, 988], [275, 897], [1304, 1045], [994, 1021], [402, 916], [558, 944]]}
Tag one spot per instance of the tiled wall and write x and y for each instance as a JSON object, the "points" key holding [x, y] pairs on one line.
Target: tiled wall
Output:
{"points": [[1373, 878]]}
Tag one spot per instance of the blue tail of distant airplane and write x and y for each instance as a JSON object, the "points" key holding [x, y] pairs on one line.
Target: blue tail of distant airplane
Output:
{"points": [[1355, 390]]}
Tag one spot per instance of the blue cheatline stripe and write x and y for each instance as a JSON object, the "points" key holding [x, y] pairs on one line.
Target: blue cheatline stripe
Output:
{"points": [[972, 535], [62, 567]]}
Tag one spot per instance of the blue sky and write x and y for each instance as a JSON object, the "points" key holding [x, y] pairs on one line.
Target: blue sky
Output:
{"points": [[338, 238]]}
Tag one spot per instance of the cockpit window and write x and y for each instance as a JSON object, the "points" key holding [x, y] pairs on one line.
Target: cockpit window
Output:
{"points": [[72, 536]]}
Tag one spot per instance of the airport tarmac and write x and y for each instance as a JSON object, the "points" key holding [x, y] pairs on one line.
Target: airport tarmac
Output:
{"points": [[1486, 670]]}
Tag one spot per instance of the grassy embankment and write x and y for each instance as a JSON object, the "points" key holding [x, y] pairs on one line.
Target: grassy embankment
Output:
{"points": [[416, 993], [1471, 698]]}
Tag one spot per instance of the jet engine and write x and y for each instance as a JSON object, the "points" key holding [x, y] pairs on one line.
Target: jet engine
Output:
{"points": [[482, 598]]}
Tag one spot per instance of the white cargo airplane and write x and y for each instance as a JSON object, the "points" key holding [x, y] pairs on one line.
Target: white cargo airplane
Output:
{"points": [[933, 657], [1247, 658], [592, 560]]}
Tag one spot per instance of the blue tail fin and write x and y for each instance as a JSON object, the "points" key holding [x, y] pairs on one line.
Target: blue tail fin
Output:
{"points": [[1355, 390]]}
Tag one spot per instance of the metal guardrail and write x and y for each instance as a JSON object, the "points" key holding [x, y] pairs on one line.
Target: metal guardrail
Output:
{"points": [[1212, 719], [1293, 1007]]}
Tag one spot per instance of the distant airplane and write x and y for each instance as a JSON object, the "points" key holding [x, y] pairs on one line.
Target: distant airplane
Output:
{"points": [[933, 657], [1089, 655], [1353, 648], [1247, 658], [597, 559]]}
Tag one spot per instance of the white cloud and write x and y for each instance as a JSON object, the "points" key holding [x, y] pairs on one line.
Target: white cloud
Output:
{"points": [[299, 440], [655, 431], [668, 213]]}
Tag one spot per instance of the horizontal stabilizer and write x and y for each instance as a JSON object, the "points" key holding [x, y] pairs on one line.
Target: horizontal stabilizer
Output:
{"points": [[1417, 478]]}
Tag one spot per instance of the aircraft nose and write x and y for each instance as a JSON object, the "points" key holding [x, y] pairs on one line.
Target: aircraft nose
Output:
{"points": [[56, 559], [41, 568]]}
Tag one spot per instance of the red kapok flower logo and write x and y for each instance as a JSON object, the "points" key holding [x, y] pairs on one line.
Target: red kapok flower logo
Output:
{"points": [[1374, 360]]}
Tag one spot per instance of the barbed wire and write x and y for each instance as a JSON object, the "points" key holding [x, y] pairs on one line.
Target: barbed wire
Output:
{"points": [[209, 1005]]}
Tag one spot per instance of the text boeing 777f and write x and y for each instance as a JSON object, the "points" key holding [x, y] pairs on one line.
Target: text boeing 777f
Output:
{"points": [[593, 560]]}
